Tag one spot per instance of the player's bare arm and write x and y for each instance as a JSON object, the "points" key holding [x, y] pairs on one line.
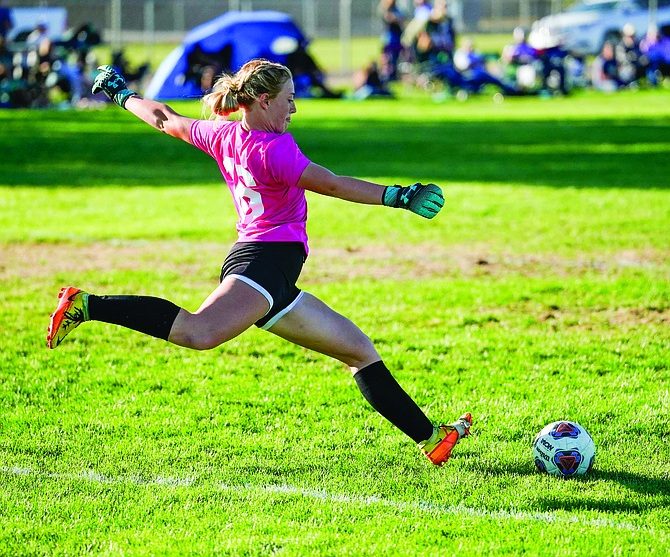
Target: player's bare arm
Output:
{"points": [[318, 179], [161, 117], [424, 200], [156, 114]]}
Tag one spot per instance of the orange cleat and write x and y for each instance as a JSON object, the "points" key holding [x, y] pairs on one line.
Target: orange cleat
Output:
{"points": [[438, 448], [71, 311]]}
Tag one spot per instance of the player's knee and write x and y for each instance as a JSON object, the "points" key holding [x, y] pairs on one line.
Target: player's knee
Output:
{"points": [[204, 340], [205, 344], [360, 352], [199, 334]]}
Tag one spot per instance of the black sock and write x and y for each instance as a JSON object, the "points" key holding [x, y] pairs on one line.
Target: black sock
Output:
{"points": [[152, 316], [387, 397]]}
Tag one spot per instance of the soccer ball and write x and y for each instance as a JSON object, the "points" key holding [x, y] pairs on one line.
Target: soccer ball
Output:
{"points": [[564, 449]]}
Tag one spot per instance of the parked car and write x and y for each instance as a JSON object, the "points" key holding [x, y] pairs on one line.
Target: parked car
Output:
{"points": [[584, 27]]}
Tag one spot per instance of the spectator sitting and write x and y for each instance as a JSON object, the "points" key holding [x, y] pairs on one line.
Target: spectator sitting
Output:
{"points": [[440, 29], [369, 83], [207, 79], [605, 71], [521, 61], [39, 71], [520, 52], [632, 64], [430, 35], [656, 47], [120, 64], [472, 67], [553, 61], [198, 62]]}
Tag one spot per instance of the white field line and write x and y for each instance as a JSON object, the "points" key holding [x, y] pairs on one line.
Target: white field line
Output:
{"points": [[91, 476], [454, 510]]}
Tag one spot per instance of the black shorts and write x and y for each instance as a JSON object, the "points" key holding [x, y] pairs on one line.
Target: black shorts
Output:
{"points": [[272, 268]]}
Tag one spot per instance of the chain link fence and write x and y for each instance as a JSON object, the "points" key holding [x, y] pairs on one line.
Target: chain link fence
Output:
{"points": [[171, 19], [123, 21]]}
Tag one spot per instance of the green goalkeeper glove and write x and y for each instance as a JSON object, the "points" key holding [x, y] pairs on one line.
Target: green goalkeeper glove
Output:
{"points": [[424, 200], [113, 85]]}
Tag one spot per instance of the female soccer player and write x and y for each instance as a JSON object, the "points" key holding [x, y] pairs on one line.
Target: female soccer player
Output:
{"points": [[267, 175]]}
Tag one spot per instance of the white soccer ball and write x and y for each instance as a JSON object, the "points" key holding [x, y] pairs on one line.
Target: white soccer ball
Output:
{"points": [[564, 449]]}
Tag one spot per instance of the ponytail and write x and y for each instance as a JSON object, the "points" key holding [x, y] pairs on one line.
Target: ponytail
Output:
{"points": [[222, 101], [242, 89]]}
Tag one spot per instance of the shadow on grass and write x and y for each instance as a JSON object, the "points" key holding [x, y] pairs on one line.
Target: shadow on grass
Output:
{"points": [[654, 492], [579, 154], [102, 149], [652, 487], [631, 505]]}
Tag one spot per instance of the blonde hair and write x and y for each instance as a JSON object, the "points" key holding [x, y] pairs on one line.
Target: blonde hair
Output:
{"points": [[242, 89]]}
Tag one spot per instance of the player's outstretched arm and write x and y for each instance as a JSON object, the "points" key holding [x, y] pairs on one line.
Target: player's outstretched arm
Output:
{"points": [[321, 180], [424, 200], [161, 117], [154, 113]]}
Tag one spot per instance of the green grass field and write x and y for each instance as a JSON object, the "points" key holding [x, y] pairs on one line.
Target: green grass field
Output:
{"points": [[541, 292]]}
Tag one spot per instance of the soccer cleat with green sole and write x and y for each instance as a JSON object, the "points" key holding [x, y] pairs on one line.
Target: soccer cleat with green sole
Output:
{"points": [[438, 450], [71, 311]]}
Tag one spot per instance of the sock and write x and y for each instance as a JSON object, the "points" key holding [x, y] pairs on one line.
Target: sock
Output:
{"points": [[387, 397], [152, 316]]}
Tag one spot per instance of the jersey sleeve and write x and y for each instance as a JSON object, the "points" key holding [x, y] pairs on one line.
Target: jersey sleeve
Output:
{"points": [[285, 162], [202, 135]]}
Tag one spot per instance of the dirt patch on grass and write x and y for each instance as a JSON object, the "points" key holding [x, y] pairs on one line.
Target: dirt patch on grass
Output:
{"points": [[588, 318], [636, 316], [197, 265], [325, 264], [407, 262], [24, 260]]}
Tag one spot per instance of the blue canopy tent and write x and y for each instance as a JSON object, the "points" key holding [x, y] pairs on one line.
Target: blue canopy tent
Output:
{"points": [[225, 43]]}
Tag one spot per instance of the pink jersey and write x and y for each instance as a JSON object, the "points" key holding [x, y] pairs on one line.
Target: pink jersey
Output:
{"points": [[261, 170]]}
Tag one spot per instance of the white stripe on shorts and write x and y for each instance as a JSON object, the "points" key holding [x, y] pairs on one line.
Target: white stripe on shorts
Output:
{"points": [[282, 312], [258, 287]]}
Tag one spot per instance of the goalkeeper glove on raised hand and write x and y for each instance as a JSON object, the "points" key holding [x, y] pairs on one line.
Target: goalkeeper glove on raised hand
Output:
{"points": [[113, 85], [424, 200]]}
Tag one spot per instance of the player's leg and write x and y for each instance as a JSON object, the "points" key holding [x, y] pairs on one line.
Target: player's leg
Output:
{"points": [[232, 308], [312, 324]]}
